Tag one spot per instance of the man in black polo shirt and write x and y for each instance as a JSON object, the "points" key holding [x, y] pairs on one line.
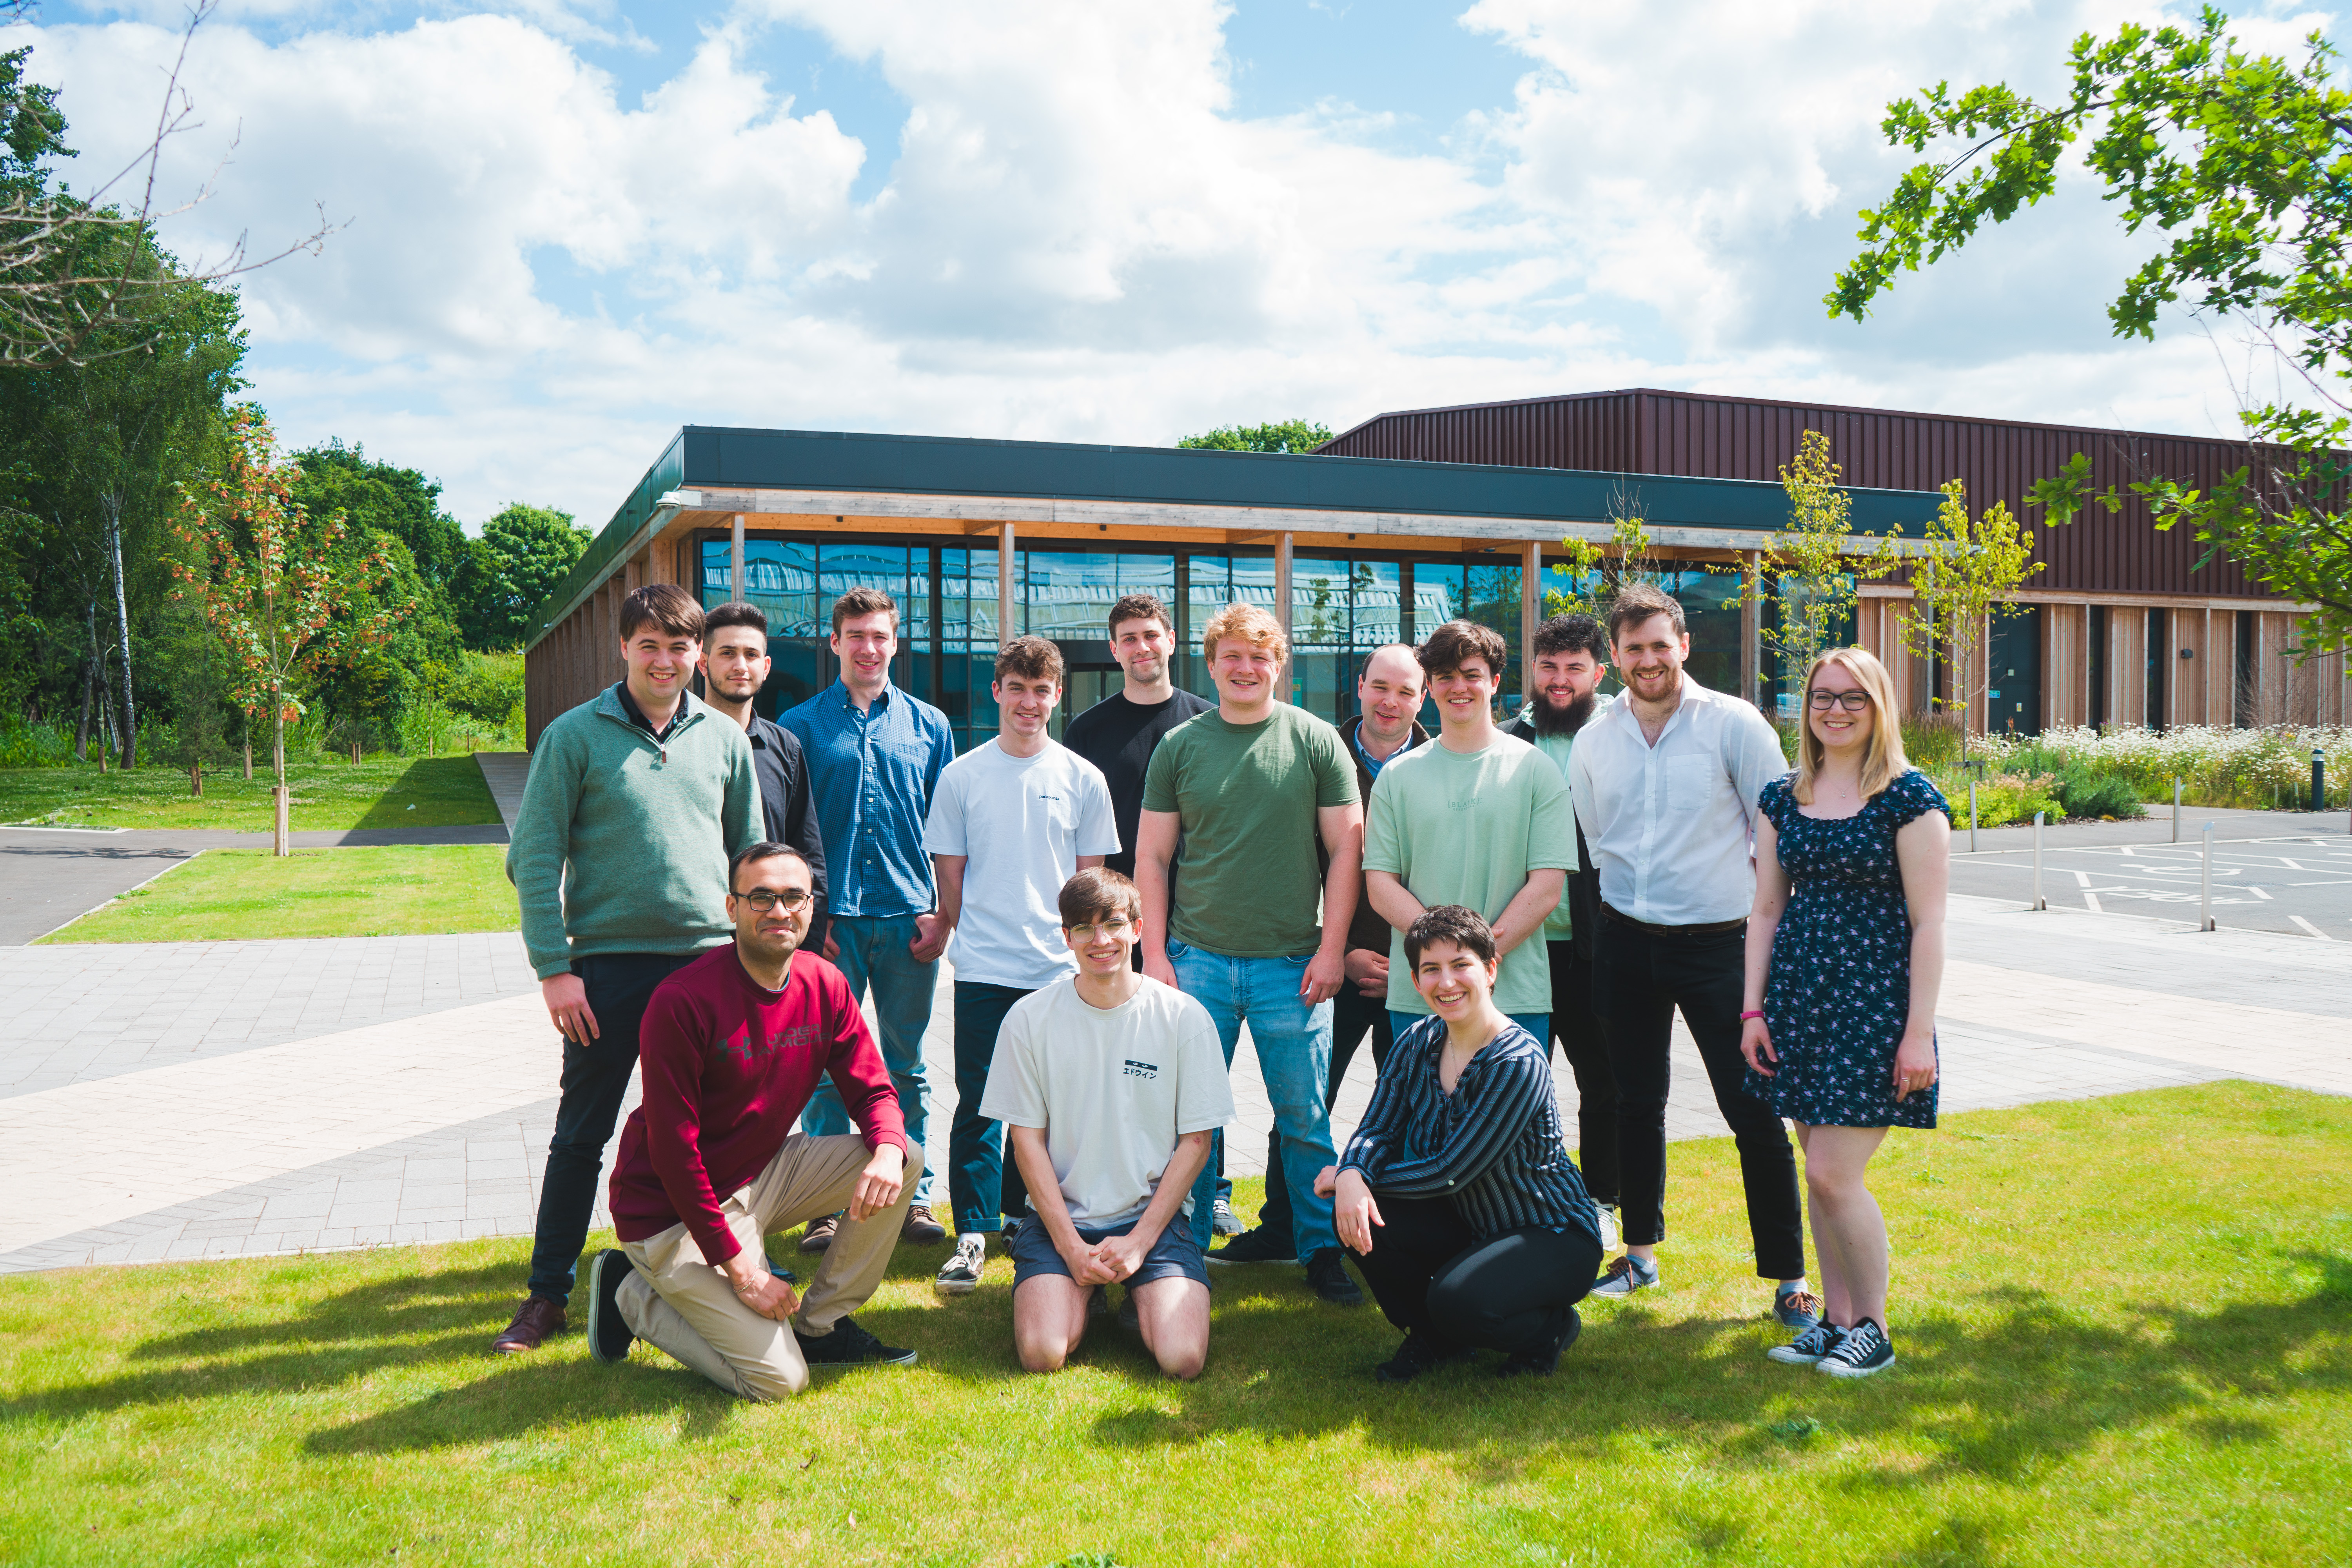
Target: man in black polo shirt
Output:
{"points": [[734, 666]]}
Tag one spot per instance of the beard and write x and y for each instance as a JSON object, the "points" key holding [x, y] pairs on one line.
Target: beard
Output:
{"points": [[1567, 721]]}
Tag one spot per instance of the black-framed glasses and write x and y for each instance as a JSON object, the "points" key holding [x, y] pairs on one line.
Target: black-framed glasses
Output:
{"points": [[1852, 701], [765, 899]]}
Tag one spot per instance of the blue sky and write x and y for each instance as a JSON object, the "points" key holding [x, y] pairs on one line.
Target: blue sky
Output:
{"points": [[572, 227]]}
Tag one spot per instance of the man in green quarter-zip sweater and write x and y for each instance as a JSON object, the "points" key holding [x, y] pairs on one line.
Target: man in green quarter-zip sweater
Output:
{"points": [[634, 802]]}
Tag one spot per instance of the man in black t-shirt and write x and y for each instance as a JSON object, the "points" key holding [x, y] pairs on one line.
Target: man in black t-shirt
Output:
{"points": [[1119, 735]]}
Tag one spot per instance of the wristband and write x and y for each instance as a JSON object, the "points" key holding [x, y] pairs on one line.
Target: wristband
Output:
{"points": [[1757, 1013]]}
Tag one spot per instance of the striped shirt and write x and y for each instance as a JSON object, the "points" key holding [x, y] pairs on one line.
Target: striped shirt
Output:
{"points": [[1493, 1146]]}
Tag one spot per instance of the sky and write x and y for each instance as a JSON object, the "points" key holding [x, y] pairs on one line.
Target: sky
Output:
{"points": [[563, 228]]}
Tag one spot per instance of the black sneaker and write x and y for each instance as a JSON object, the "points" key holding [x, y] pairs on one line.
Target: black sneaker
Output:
{"points": [[1259, 1246], [1130, 1318], [1864, 1350], [609, 1338], [1537, 1358], [849, 1345], [1418, 1354], [1328, 1272]]}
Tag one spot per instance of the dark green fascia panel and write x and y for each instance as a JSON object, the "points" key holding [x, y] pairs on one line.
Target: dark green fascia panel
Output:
{"points": [[719, 457]]}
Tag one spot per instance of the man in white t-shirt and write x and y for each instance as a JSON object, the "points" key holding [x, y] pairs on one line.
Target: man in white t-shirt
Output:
{"points": [[1013, 819], [1112, 1083]]}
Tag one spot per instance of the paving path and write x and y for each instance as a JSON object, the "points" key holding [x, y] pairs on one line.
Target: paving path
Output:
{"points": [[201, 1100]]}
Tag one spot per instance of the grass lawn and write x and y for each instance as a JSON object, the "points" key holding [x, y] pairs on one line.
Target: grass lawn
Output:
{"points": [[233, 895], [328, 795], [2125, 1331]]}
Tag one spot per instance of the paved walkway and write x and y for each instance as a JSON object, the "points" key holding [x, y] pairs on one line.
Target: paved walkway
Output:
{"points": [[201, 1100]]}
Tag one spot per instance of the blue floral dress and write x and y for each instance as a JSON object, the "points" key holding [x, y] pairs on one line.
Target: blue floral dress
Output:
{"points": [[1839, 991]]}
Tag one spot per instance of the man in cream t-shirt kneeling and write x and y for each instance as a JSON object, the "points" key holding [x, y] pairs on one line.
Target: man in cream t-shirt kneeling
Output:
{"points": [[1112, 1082]]}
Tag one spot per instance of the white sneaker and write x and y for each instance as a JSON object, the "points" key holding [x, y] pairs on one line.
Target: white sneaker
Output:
{"points": [[961, 1272], [1611, 1233]]}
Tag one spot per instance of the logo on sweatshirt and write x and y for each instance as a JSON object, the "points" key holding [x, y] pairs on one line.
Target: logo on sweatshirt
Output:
{"points": [[1141, 1070]]}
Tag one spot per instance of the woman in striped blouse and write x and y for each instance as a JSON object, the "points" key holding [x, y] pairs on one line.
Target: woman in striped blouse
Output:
{"points": [[1486, 1238]]}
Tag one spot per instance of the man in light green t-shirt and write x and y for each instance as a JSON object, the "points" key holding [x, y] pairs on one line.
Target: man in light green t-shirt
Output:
{"points": [[1480, 819], [1252, 787]]}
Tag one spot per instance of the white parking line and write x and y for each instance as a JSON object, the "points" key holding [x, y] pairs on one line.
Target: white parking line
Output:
{"points": [[2312, 929], [2091, 899]]}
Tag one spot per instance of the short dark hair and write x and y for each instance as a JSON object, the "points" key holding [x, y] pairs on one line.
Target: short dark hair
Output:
{"points": [[863, 601], [1031, 659], [737, 613], [1449, 922], [1572, 634], [766, 849], [1139, 607], [1637, 601], [1455, 643], [663, 604], [1096, 892]]}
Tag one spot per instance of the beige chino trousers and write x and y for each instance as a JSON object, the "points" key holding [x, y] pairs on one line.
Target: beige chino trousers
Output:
{"points": [[676, 1300]]}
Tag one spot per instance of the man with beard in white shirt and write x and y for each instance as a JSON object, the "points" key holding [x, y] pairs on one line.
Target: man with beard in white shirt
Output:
{"points": [[1666, 782]]}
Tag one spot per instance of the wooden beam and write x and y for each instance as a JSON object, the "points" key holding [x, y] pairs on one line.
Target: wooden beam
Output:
{"points": [[1007, 621], [1751, 628], [1530, 610], [1282, 553], [735, 562]]}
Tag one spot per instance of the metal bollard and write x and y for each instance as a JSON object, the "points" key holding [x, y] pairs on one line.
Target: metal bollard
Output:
{"points": [[1972, 816], [2039, 901], [2205, 902], [2176, 810], [2318, 779]]}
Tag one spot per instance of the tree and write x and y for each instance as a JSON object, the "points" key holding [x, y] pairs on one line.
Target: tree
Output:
{"points": [[1968, 576], [526, 554], [272, 579], [2245, 162], [1813, 570], [1286, 435]]}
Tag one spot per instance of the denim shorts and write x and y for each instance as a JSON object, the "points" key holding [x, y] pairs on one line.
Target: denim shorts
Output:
{"points": [[1175, 1253]]}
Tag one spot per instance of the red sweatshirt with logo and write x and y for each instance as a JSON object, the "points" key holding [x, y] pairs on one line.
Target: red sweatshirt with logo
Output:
{"points": [[727, 1065]]}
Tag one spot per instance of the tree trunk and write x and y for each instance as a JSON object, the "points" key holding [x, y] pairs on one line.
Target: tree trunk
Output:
{"points": [[283, 844], [88, 686], [122, 626], [105, 711]]}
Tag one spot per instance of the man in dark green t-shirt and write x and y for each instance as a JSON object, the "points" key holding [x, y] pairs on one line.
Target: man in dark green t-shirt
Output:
{"points": [[1251, 788]]}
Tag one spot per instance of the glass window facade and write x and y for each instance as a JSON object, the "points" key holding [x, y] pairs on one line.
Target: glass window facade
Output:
{"points": [[1342, 608]]}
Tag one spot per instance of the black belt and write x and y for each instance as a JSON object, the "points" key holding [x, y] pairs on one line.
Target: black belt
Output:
{"points": [[1712, 928]]}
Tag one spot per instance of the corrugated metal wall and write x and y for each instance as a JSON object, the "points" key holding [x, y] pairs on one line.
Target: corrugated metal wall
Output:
{"points": [[1649, 432]]}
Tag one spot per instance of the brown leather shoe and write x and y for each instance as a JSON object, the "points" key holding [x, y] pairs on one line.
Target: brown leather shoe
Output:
{"points": [[535, 1321], [819, 1234], [920, 1227]]}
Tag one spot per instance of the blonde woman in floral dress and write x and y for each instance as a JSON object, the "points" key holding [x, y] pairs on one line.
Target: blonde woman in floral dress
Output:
{"points": [[1845, 951]]}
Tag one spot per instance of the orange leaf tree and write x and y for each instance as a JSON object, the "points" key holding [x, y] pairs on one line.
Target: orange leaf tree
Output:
{"points": [[275, 582]]}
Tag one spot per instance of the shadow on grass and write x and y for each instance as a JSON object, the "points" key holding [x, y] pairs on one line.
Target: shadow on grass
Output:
{"points": [[444, 782]]}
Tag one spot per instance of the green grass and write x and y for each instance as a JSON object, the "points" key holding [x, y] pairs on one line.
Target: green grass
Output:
{"points": [[2126, 1331], [230, 895], [328, 795]]}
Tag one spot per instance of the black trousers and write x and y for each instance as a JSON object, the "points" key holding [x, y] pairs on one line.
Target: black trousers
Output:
{"points": [[1352, 1014], [1430, 1272], [595, 1081], [1577, 1030], [1640, 975]]}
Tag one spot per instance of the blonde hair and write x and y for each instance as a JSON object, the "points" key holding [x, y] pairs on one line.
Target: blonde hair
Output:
{"points": [[1249, 622], [1882, 760]]}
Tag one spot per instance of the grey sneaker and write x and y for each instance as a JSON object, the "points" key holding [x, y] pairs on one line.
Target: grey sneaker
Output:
{"points": [[1809, 1347], [961, 1272], [1625, 1275], [1796, 1308], [1866, 1348], [1223, 1221]]}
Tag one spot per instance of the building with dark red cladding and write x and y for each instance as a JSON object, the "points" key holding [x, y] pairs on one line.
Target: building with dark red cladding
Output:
{"points": [[2122, 627]]}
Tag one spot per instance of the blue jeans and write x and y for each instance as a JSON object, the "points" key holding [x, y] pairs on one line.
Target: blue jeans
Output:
{"points": [[1294, 1055], [1536, 1023], [595, 1081], [983, 1182], [875, 949]]}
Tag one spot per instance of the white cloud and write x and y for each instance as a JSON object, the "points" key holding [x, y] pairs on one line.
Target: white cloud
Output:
{"points": [[1078, 237]]}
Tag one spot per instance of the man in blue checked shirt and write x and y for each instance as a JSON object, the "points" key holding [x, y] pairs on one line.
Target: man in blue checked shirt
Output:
{"points": [[874, 754]]}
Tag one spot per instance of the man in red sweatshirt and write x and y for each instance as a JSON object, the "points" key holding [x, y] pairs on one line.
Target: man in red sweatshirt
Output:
{"points": [[731, 1047]]}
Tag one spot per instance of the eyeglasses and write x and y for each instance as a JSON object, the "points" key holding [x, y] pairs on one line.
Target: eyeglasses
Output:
{"points": [[795, 900], [1116, 928], [1852, 701]]}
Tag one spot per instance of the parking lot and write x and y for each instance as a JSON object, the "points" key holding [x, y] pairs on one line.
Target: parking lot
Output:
{"points": [[2295, 883]]}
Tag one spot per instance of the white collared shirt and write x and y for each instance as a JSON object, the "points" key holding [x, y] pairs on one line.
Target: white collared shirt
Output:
{"points": [[1670, 826]]}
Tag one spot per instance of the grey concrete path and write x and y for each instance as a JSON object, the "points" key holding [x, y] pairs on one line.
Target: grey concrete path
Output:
{"points": [[232, 1099]]}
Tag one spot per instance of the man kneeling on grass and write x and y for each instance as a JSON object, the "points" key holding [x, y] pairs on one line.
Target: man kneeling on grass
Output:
{"points": [[1110, 1083], [731, 1047]]}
